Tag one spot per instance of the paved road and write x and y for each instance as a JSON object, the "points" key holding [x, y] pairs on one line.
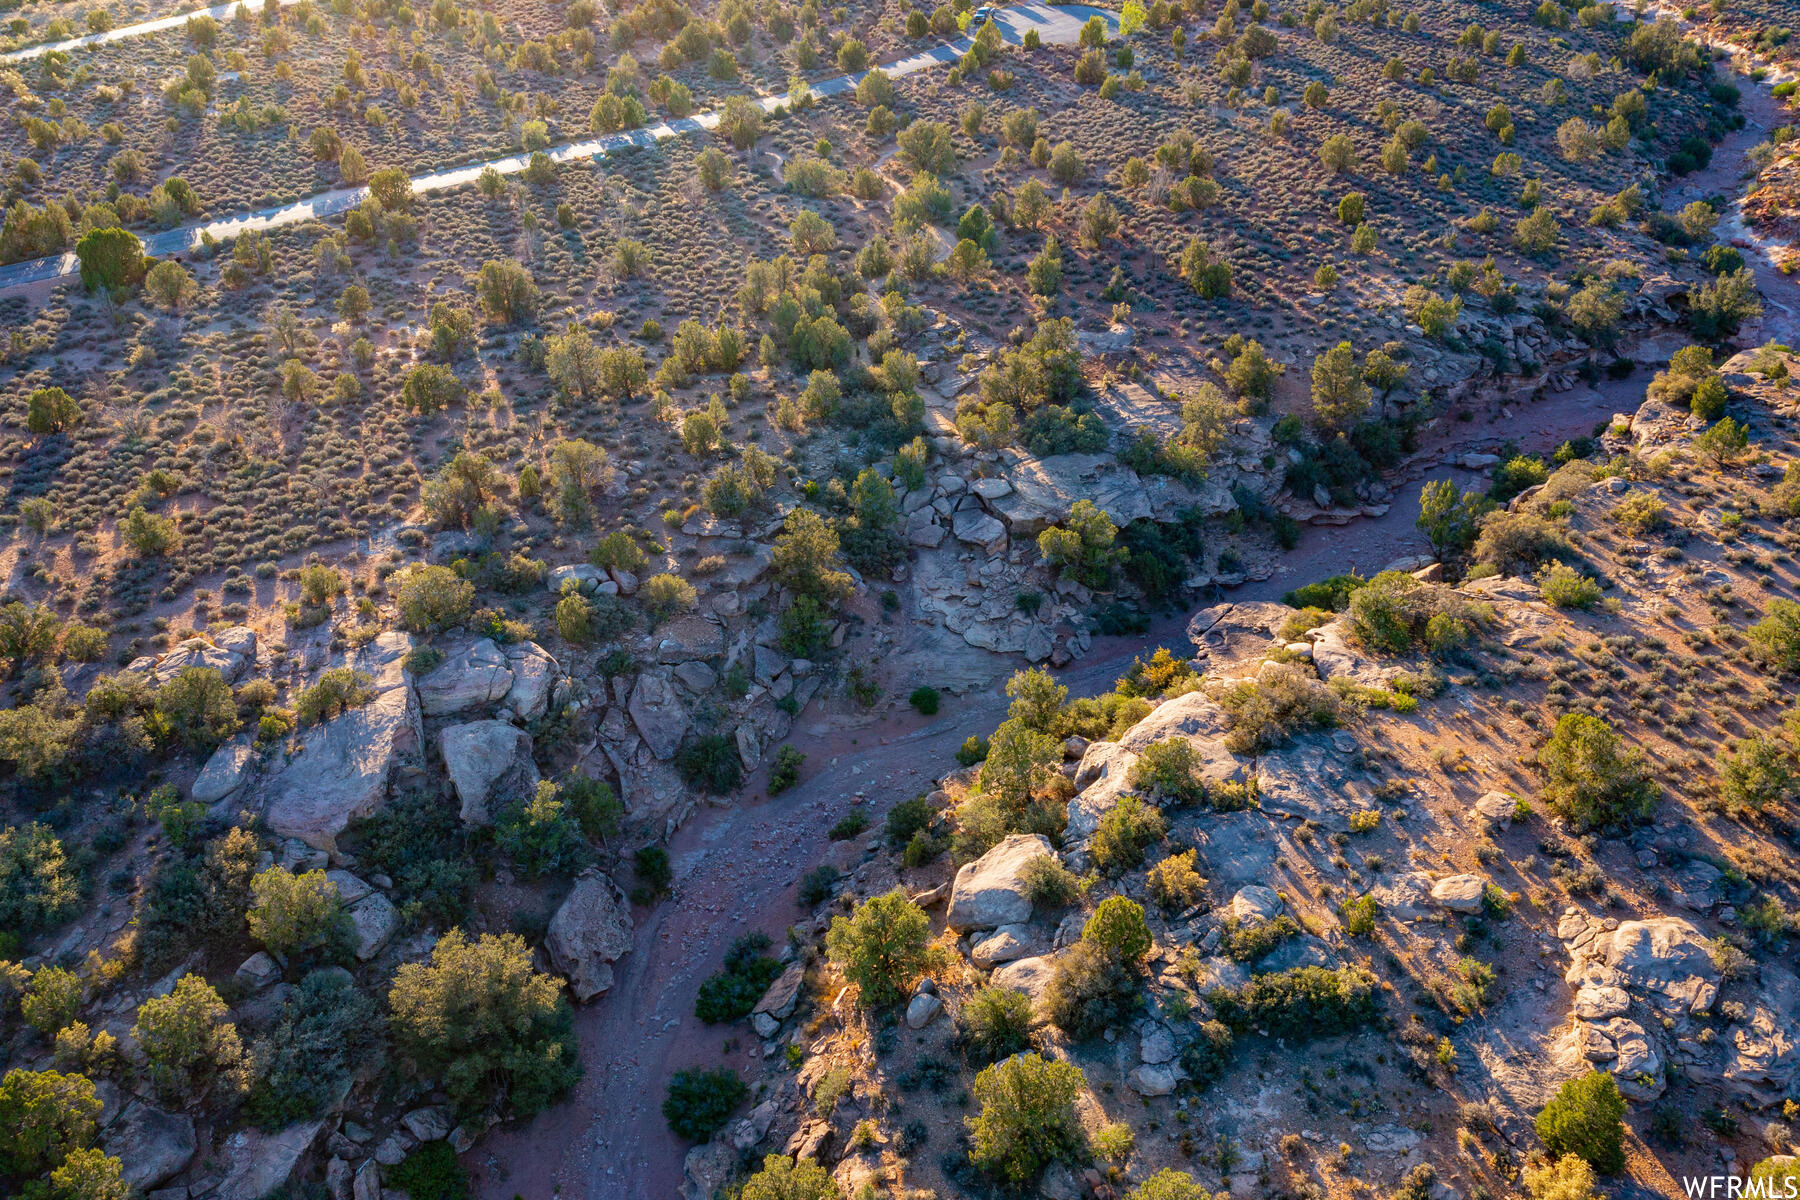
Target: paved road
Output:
{"points": [[219, 12], [1059, 25]]}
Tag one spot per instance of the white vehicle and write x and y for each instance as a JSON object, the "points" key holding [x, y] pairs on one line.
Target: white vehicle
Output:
{"points": [[982, 16]]}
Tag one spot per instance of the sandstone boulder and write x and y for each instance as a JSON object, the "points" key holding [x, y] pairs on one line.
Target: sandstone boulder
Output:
{"points": [[590, 931], [991, 891], [1664, 960], [1004, 945], [1255, 904], [1459, 893], [922, 1009], [490, 766], [374, 919], [708, 1169], [658, 713], [343, 767], [258, 1163], [226, 771], [153, 1145], [1335, 657], [534, 676], [473, 677], [1028, 975]]}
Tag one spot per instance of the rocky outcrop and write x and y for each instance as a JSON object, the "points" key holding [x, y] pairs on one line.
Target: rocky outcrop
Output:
{"points": [[991, 891], [344, 767], [534, 678], [1664, 961], [373, 920], [590, 931], [226, 771], [475, 676], [258, 1163], [707, 1169], [1633, 979], [1029, 975], [154, 1146], [230, 652], [1459, 893], [490, 766], [657, 711]]}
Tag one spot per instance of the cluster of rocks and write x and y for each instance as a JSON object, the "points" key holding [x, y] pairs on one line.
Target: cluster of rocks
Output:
{"points": [[1647, 1000]]}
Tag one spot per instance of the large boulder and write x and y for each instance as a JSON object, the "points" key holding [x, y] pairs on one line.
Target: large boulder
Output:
{"points": [[1665, 961], [226, 771], [1335, 657], [229, 652], [658, 713], [153, 1145], [343, 767], [708, 1169], [1460, 893], [534, 675], [590, 930], [990, 891], [692, 638], [490, 765], [374, 920], [1102, 776], [258, 1163], [1235, 634], [1763, 1060], [1029, 975], [475, 676], [1194, 716]]}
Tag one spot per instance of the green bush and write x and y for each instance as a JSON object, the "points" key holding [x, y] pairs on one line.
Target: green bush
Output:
{"points": [[784, 772], [783, 1178], [1026, 1119], [699, 1103], [432, 1172], [1262, 712], [907, 818], [299, 914], [710, 763], [1304, 1002], [196, 709], [43, 1117], [1395, 613], [1586, 1119], [1048, 882], [302, 1065], [1125, 832], [433, 598], [973, 750], [1776, 638], [881, 946], [1591, 779], [543, 835], [1205, 1057], [995, 1023], [1249, 942], [1565, 587], [654, 874], [188, 1043], [421, 844], [497, 1033], [732, 992], [848, 826], [925, 700], [1118, 928], [39, 887], [816, 885], [1169, 768], [1332, 595]]}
